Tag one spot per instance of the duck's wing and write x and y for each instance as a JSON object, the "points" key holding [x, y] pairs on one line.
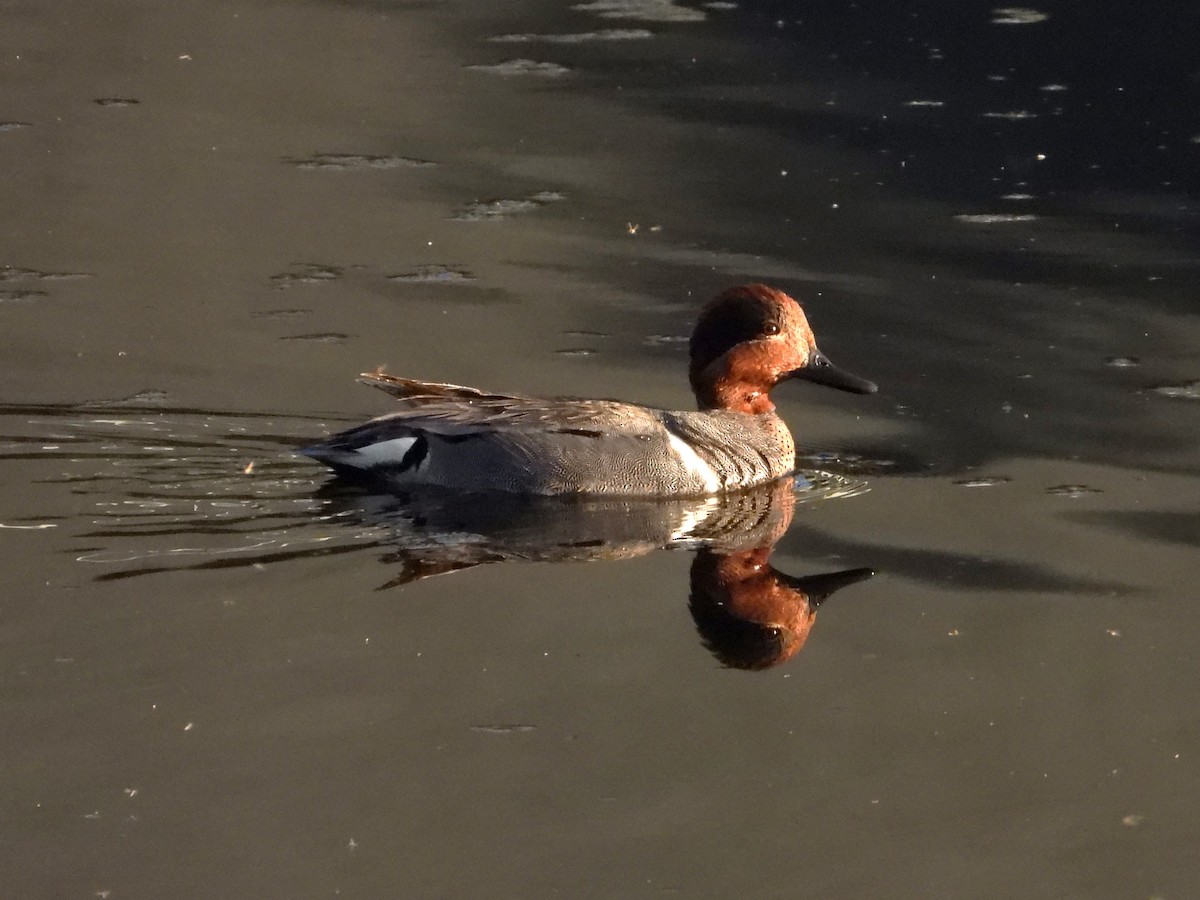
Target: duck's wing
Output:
{"points": [[474, 440], [452, 409]]}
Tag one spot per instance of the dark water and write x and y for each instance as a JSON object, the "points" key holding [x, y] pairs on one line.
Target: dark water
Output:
{"points": [[223, 677]]}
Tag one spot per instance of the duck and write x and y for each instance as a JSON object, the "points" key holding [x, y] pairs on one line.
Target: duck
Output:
{"points": [[746, 341]]}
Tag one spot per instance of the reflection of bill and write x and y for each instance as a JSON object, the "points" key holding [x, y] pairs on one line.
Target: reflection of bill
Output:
{"points": [[749, 614]]}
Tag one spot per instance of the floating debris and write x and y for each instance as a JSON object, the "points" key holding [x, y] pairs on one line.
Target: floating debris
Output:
{"points": [[1179, 391], [436, 274], [116, 101], [995, 218], [1018, 15], [14, 126], [342, 162], [577, 351], [606, 34], [523, 67], [1017, 196], [1072, 490], [1053, 87], [931, 103], [642, 10], [984, 481]]}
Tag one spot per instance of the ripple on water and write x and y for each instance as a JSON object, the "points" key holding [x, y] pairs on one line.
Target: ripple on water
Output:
{"points": [[323, 337], [665, 340], [146, 397], [280, 315], [494, 210], [1018, 15], [307, 273], [347, 162], [642, 10], [434, 274], [16, 273], [115, 101], [26, 296], [995, 218], [510, 67], [1014, 115], [169, 489], [1190, 391], [1072, 490], [983, 481], [585, 37], [1122, 362]]}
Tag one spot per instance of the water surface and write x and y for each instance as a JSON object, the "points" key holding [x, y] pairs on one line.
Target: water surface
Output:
{"points": [[222, 678]]}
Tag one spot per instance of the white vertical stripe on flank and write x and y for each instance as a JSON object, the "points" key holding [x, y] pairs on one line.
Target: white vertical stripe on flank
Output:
{"points": [[694, 464]]}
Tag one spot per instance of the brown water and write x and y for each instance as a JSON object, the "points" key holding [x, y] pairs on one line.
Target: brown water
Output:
{"points": [[219, 677]]}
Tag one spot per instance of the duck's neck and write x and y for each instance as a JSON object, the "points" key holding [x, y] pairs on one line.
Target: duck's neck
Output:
{"points": [[734, 396]]}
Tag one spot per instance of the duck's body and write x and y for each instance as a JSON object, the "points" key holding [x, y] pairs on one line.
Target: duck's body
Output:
{"points": [[747, 340]]}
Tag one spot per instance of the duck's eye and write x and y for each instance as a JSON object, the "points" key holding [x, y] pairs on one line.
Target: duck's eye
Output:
{"points": [[771, 328]]}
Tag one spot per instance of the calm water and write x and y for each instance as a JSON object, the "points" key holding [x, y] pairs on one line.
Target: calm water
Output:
{"points": [[223, 676]]}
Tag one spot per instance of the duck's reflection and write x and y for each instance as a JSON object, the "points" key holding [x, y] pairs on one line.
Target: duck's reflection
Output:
{"points": [[749, 614]]}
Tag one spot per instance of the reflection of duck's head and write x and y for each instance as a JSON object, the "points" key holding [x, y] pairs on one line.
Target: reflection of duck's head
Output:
{"points": [[749, 614]]}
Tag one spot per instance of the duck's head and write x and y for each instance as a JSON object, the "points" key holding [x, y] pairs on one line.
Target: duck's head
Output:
{"points": [[749, 339]]}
